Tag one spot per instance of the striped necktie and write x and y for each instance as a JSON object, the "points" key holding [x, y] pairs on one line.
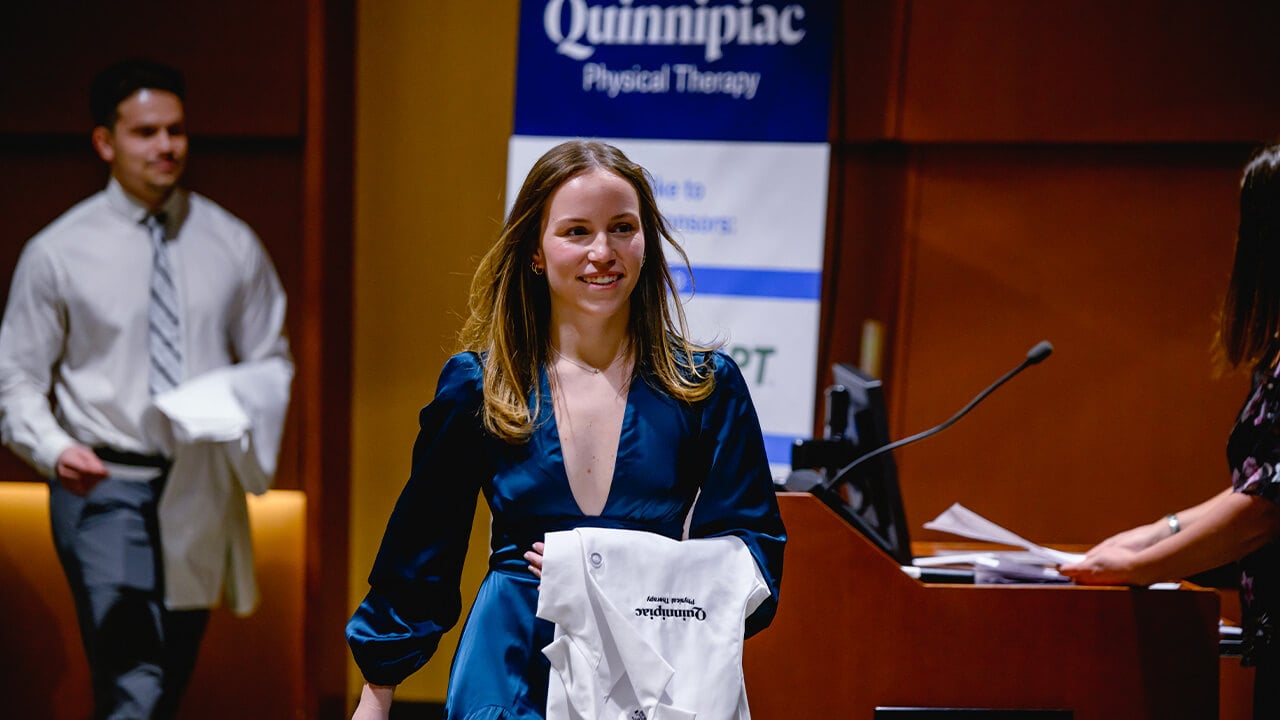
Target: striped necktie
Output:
{"points": [[162, 316]]}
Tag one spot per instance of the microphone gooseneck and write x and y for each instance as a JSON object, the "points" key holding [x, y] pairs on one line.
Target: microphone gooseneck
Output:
{"points": [[1035, 355]]}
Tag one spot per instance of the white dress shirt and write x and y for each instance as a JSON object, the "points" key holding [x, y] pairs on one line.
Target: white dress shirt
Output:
{"points": [[75, 330], [76, 321]]}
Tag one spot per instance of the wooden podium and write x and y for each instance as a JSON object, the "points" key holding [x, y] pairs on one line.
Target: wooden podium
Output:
{"points": [[854, 633]]}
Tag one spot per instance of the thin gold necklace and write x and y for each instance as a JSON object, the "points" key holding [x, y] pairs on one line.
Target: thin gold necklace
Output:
{"points": [[584, 366]]}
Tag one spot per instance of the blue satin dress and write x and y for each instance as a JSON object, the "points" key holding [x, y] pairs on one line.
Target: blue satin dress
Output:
{"points": [[668, 452]]}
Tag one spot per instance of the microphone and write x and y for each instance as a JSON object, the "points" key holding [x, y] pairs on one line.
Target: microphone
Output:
{"points": [[1035, 355]]}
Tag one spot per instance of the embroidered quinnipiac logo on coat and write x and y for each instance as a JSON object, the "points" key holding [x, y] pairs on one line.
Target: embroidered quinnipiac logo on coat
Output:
{"points": [[663, 608]]}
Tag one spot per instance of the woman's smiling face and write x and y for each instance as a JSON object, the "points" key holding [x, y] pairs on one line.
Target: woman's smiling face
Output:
{"points": [[592, 246]]}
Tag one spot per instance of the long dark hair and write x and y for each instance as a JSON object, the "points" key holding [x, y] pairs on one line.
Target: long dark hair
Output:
{"points": [[1251, 310]]}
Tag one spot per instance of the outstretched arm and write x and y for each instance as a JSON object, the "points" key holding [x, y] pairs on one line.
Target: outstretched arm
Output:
{"points": [[1224, 528], [1144, 536]]}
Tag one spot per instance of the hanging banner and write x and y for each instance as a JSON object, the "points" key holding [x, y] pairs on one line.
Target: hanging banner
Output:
{"points": [[726, 104]]}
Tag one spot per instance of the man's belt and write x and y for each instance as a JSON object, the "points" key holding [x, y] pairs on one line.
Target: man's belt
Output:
{"points": [[120, 457]]}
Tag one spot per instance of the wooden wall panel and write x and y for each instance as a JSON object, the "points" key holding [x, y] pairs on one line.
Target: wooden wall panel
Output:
{"points": [[243, 61], [324, 398], [1119, 257], [864, 263], [868, 55], [1089, 71]]}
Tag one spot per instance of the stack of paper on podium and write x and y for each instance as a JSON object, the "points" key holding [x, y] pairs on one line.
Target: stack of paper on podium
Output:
{"points": [[1034, 564]]}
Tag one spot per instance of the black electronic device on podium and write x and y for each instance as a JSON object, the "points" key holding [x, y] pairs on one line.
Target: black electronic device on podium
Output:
{"points": [[866, 495], [852, 470]]}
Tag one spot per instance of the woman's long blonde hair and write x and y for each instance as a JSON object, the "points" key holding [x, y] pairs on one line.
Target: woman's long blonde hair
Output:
{"points": [[510, 306]]}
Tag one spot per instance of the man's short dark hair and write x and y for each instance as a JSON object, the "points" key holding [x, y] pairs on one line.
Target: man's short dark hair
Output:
{"points": [[113, 85]]}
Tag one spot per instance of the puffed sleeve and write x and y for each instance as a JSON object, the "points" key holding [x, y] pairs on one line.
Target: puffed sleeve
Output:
{"points": [[737, 495], [1254, 446], [414, 596]]}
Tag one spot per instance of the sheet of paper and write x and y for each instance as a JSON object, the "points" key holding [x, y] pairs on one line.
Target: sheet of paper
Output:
{"points": [[951, 557], [992, 571], [960, 520]]}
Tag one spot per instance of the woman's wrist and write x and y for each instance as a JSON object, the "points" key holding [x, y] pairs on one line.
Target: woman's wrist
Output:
{"points": [[1172, 523], [379, 695]]}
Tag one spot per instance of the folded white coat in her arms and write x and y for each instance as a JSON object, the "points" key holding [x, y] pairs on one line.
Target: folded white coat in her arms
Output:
{"points": [[646, 626]]}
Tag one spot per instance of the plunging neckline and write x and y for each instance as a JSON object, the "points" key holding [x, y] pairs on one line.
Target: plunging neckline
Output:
{"points": [[558, 446]]}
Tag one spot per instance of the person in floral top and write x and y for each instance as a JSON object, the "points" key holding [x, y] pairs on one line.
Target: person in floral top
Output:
{"points": [[1243, 521]]}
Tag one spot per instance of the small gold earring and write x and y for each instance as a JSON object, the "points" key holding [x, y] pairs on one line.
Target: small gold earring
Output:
{"points": [[535, 267]]}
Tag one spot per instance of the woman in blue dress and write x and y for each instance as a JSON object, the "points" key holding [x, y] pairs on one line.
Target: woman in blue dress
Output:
{"points": [[1243, 521], [579, 401]]}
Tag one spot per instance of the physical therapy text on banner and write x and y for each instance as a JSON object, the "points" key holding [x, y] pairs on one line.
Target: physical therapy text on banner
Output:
{"points": [[726, 103]]}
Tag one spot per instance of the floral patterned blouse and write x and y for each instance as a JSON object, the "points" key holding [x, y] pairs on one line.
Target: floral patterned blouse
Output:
{"points": [[1254, 454]]}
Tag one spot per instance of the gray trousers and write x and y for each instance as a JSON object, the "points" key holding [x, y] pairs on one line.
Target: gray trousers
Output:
{"points": [[140, 653]]}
